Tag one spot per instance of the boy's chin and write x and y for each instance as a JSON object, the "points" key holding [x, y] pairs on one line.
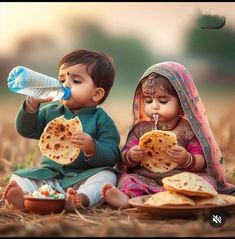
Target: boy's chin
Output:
{"points": [[67, 104]]}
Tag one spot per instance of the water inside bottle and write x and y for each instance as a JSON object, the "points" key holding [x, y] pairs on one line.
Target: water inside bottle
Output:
{"points": [[55, 92]]}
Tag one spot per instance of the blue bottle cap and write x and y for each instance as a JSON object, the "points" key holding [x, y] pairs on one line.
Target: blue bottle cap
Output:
{"points": [[67, 93]]}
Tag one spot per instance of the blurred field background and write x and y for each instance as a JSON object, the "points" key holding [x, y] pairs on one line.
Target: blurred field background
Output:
{"points": [[136, 35]]}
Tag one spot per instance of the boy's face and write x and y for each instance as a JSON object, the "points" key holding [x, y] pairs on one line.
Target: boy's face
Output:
{"points": [[82, 87]]}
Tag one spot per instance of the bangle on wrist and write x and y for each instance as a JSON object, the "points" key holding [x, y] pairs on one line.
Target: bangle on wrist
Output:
{"points": [[88, 155], [189, 160], [128, 158], [190, 163]]}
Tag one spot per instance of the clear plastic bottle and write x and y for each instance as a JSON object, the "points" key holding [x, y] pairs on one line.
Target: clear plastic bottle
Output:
{"points": [[28, 82]]}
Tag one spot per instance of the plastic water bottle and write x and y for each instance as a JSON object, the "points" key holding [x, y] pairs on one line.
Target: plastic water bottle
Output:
{"points": [[28, 82]]}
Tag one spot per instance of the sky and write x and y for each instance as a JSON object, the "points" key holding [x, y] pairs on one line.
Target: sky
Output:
{"points": [[162, 26]]}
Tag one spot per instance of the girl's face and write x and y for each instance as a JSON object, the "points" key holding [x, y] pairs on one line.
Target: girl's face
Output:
{"points": [[82, 87], [165, 105]]}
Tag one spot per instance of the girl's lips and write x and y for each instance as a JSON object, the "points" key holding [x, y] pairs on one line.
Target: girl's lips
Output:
{"points": [[155, 116]]}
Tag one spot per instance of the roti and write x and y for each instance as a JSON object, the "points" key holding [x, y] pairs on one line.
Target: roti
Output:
{"points": [[169, 198], [157, 142], [55, 141], [220, 199], [189, 184]]}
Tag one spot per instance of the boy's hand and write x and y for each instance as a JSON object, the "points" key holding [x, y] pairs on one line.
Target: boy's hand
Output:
{"points": [[84, 142], [38, 101], [178, 154], [33, 103], [137, 153]]}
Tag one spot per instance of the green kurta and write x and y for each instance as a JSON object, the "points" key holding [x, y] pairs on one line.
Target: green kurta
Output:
{"points": [[95, 122]]}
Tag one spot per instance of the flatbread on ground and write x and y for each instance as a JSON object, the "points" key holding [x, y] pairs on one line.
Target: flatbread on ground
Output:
{"points": [[55, 141], [168, 198], [156, 142], [189, 184]]}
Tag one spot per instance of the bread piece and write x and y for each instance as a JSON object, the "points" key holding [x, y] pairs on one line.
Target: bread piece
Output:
{"points": [[189, 184], [55, 141], [219, 199], [157, 142], [168, 198]]}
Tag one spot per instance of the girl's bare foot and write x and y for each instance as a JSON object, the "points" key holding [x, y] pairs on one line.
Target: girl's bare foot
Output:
{"points": [[114, 197], [75, 200], [14, 195]]}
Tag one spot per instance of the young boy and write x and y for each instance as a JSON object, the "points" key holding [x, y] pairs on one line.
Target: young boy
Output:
{"points": [[90, 76]]}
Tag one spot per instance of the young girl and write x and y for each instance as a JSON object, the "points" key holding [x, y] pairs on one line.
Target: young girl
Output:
{"points": [[167, 89]]}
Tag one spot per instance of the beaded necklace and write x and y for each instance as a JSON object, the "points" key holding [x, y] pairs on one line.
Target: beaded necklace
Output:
{"points": [[166, 127]]}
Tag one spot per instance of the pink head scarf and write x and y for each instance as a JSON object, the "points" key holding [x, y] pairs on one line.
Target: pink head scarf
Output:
{"points": [[194, 110]]}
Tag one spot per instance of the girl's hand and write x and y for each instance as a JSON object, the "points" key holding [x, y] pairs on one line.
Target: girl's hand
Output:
{"points": [[137, 153], [84, 141], [178, 154]]}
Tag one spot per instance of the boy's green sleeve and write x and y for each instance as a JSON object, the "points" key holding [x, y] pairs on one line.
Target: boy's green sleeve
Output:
{"points": [[30, 125], [107, 149]]}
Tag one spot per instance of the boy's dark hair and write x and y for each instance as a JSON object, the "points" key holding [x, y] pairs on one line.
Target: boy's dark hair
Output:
{"points": [[99, 67], [154, 80]]}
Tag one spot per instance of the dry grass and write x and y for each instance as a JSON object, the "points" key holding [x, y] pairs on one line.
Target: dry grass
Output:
{"points": [[15, 151], [104, 221]]}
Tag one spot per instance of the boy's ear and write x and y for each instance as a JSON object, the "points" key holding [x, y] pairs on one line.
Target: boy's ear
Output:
{"points": [[98, 95]]}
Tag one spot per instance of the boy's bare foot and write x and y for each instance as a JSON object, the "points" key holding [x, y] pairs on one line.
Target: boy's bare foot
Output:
{"points": [[75, 200], [14, 195], [114, 197]]}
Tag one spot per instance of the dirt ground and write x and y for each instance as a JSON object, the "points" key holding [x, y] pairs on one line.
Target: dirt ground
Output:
{"points": [[102, 221]]}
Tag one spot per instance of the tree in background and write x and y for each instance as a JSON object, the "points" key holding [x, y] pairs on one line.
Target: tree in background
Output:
{"points": [[131, 57], [216, 47]]}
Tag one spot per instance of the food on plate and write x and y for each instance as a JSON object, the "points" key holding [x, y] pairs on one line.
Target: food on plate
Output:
{"points": [[220, 199], [189, 184], [46, 191], [168, 198]]}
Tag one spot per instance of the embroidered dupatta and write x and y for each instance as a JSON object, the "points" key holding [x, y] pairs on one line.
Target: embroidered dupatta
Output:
{"points": [[195, 112]]}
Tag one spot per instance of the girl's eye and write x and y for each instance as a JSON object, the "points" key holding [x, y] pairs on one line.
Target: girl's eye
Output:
{"points": [[163, 101], [77, 82], [148, 100], [62, 81]]}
